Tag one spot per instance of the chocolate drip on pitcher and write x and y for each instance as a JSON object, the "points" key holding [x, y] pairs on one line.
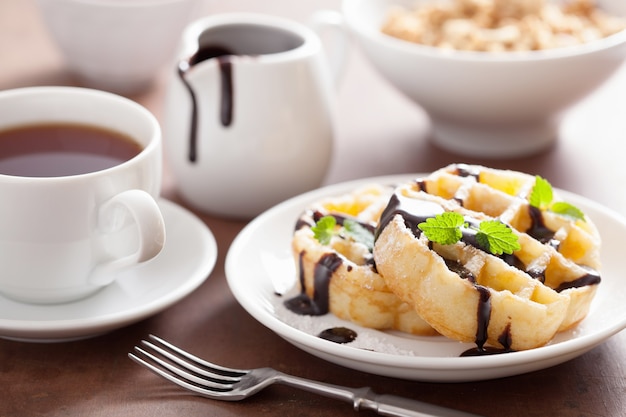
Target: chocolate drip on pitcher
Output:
{"points": [[226, 94]]}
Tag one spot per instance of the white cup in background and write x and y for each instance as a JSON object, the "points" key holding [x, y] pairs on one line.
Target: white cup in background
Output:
{"points": [[116, 45]]}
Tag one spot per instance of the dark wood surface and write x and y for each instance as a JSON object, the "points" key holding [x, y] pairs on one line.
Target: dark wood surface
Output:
{"points": [[378, 132]]}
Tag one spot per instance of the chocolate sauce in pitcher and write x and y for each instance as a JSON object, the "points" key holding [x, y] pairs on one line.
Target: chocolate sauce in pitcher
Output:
{"points": [[223, 56]]}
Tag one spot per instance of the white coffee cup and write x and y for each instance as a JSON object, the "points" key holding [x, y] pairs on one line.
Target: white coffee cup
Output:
{"points": [[117, 45], [64, 237], [250, 128]]}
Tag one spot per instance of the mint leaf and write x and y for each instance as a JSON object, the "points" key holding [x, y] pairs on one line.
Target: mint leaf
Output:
{"points": [[324, 229], [566, 209], [358, 233], [541, 195], [492, 235], [497, 237], [445, 228]]}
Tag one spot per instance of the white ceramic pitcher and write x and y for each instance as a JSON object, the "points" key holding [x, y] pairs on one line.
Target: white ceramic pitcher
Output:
{"points": [[249, 113]]}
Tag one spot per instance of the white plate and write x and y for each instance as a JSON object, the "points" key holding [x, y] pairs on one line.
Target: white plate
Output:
{"points": [[259, 266], [187, 259]]}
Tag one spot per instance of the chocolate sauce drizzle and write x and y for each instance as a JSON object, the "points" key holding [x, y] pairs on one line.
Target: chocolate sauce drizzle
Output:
{"points": [[223, 56], [338, 335], [324, 269], [302, 304], [464, 170], [538, 228], [414, 212], [317, 305], [460, 270], [591, 278], [483, 315]]}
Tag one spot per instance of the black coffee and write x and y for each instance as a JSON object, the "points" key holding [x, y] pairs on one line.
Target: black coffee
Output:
{"points": [[62, 149]]}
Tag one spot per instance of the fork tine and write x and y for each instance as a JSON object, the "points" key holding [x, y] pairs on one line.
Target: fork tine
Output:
{"points": [[176, 380], [178, 376], [188, 374], [185, 364], [216, 368], [184, 369]]}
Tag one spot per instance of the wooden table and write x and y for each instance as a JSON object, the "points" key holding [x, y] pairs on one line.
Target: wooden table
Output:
{"points": [[378, 132]]}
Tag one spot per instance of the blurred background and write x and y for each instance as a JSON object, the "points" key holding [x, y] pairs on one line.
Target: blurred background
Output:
{"points": [[374, 122]]}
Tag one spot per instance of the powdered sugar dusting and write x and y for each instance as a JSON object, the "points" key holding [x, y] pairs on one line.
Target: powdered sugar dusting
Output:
{"points": [[367, 339]]}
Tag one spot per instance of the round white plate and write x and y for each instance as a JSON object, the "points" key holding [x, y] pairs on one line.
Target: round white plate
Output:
{"points": [[259, 266], [185, 262]]}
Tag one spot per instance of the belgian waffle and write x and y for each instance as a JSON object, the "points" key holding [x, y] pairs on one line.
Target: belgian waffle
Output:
{"points": [[340, 277], [512, 301]]}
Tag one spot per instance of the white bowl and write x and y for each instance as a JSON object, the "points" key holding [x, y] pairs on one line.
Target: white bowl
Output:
{"points": [[116, 45], [484, 103]]}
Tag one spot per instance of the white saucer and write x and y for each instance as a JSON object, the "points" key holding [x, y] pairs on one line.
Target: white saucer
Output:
{"points": [[269, 270], [186, 261]]}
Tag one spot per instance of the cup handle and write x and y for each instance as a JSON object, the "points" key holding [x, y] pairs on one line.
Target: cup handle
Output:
{"points": [[146, 214], [332, 22]]}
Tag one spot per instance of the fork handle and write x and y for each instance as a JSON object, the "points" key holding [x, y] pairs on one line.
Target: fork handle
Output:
{"points": [[391, 405], [366, 399]]}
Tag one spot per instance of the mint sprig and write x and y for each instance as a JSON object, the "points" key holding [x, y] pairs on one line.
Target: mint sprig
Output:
{"points": [[493, 235], [444, 229], [542, 195], [326, 227], [498, 237], [566, 209], [359, 233]]}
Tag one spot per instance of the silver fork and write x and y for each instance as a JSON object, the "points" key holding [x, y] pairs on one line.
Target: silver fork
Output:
{"points": [[221, 383]]}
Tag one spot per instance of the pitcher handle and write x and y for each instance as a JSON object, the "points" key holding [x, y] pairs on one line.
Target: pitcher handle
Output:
{"points": [[337, 45]]}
